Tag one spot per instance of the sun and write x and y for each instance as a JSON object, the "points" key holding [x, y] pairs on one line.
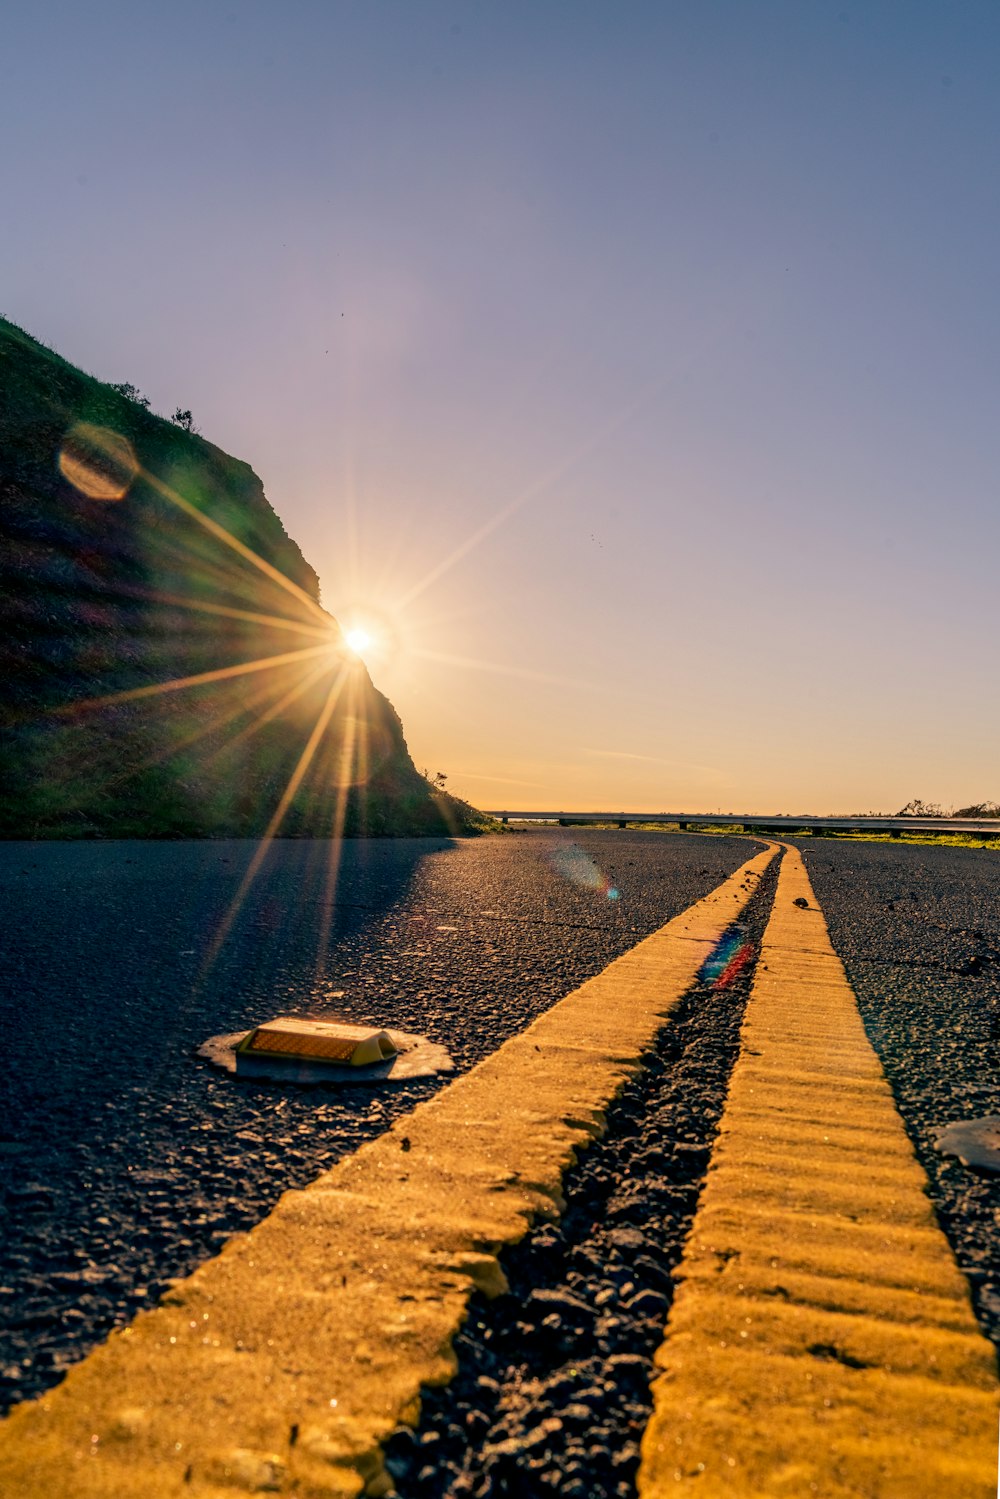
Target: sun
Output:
{"points": [[358, 640], [369, 634]]}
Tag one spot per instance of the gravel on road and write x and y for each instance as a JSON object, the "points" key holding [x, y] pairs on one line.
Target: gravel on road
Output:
{"points": [[918, 931]]}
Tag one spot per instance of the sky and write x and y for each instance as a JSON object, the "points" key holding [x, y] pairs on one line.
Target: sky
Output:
{"points": [[628, 371]]}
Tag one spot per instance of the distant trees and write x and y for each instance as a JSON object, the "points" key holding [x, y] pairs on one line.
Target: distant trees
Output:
{"points": [[918, 808], [132, 393], [181, 417]]}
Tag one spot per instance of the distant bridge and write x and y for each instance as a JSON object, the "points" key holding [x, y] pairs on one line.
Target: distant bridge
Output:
{"points": [[977, 827]]}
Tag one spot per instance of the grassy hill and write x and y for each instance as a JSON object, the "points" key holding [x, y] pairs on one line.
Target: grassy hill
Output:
{"points": [[168, 670]]}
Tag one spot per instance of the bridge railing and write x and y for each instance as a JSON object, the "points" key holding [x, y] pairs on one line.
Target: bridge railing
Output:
{"points": [[977, 827]]}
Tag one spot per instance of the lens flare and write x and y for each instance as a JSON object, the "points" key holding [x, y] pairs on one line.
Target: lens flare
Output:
{"points": [[730, 955], [198, 679], [577, 866], [100, 463], [277, 817]]}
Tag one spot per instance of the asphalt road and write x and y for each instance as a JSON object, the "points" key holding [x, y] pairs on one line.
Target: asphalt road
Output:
{"points": [[124, 1161], [918, 930]]}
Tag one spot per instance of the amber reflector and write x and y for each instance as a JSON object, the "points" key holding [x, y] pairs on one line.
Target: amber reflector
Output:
{"points": [[334, 1048], [318, 1041]]}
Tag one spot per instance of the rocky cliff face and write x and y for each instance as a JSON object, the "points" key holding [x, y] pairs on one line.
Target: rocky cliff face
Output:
{"points": [[168, 669]]}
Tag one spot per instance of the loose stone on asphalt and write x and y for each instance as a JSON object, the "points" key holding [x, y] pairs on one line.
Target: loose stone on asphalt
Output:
{"points": [[976, 1142]]}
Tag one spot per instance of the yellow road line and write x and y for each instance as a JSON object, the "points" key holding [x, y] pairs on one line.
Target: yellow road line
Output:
{"points": [[283, 1363], [822, 1340]]}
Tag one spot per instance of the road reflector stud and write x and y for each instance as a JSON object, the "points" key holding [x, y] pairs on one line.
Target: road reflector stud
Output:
{"points": [[313, 1041], [291, 1049]]}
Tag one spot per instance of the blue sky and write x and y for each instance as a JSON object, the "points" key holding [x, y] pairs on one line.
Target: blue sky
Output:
{"points": [[688, 311]]}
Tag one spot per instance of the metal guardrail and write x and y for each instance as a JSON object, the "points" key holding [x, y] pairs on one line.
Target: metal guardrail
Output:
{"points": [[979, 827]]}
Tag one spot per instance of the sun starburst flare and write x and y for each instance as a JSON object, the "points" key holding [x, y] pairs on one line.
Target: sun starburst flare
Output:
{"points": [[104, 466], [222, 719], [198, 679], [278, 815]]}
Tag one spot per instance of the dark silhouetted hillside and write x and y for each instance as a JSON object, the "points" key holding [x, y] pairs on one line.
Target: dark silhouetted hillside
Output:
{"points": [[137, 557]]}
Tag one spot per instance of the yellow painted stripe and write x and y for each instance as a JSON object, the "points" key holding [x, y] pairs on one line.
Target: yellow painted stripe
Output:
{"points": [[285, 1361], [822, 1340]]}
